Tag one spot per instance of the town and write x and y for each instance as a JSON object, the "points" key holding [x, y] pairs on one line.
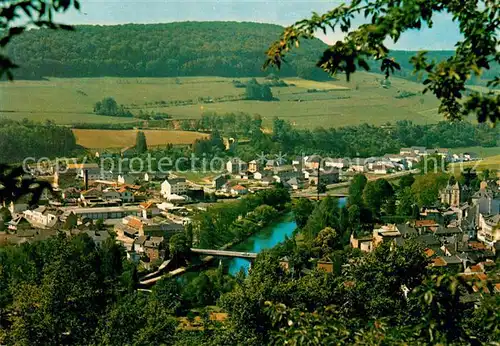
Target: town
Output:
{"points": [[249, 173]]}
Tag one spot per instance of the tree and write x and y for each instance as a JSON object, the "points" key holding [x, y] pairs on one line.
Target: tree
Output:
{"points": [[140, 142], [406, 202], [178, 246], [321, 188], [256, 91], [356, 188], [376, 194], [386, 20], [302, 209], [108, 106], [426, 188], [406, 181], [325, 241]]}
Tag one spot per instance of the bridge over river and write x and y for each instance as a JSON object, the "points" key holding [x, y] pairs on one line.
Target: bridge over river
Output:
{"points": [[225, 253]]}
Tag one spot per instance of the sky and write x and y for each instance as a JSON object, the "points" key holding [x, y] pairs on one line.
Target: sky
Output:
{"points": [[443, 35]]}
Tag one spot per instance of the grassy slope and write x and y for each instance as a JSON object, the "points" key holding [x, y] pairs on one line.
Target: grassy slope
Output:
{"points": [[71, 100]]}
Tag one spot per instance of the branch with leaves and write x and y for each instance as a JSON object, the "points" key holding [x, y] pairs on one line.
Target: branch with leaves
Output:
{"points": [[31, 14], [14, 184], [478, 21]]}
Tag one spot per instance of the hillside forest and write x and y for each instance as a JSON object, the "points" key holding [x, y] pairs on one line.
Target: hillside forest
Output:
{"points": [[226, 49]]}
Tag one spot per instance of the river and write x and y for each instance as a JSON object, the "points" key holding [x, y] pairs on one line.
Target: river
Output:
{"points": [[267, 238]]}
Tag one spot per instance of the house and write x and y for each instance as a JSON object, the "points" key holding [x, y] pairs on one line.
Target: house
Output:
{"points": [[42, 217], [257, 176], [298, 162], [173, 186], [110, 194], [489, 229], [336, 163], [384, 234], [149, 210], [239, 190], [151, 176], [94, 173], [99, 237], [104, 213], [271, 165], [395, 158], [444, 153], [19, 223], [313, 162], [244, 175], [253, 166], [219, 181], [325, 265], [426, 226], [295, 183], [358, 165], [471, 156], [132, 227], [153, 248], [380, 169], [126, 195], [124, 178], [267, 180], [91, 195], [420, 151], [486, 200], [285, 263], [236, 165], [326, 177], [406, 151], [365, 243], [284, 173], [71, 193], [75, 170]]}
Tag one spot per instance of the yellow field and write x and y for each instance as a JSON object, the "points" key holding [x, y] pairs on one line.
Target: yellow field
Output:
{"points": [[103, 139]]}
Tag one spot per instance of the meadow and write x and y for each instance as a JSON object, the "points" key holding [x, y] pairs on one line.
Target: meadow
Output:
{"points": [[490, 159], [107, 139], [307, 104], [491, 162]]}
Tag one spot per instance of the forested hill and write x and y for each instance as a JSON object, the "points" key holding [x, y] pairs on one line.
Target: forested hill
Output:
{"points": [[227, 49]]}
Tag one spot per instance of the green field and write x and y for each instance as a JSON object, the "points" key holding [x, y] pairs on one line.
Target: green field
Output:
{"points": [[481, 151], [337, 103]]}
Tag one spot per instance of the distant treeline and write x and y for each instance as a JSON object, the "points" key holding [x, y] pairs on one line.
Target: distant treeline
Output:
{"points": [[159, 50], [362, 140], [19, 140]]}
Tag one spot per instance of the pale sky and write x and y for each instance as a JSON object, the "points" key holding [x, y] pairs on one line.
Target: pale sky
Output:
{"points": [[443, 35]]}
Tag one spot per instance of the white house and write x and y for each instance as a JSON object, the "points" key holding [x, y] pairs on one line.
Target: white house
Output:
{"points": [[358, 165], [489, 230], [125, 179], [336, 163], [41, 217], [175, 186], [239, 190], [236, 165], [257, 176]]}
